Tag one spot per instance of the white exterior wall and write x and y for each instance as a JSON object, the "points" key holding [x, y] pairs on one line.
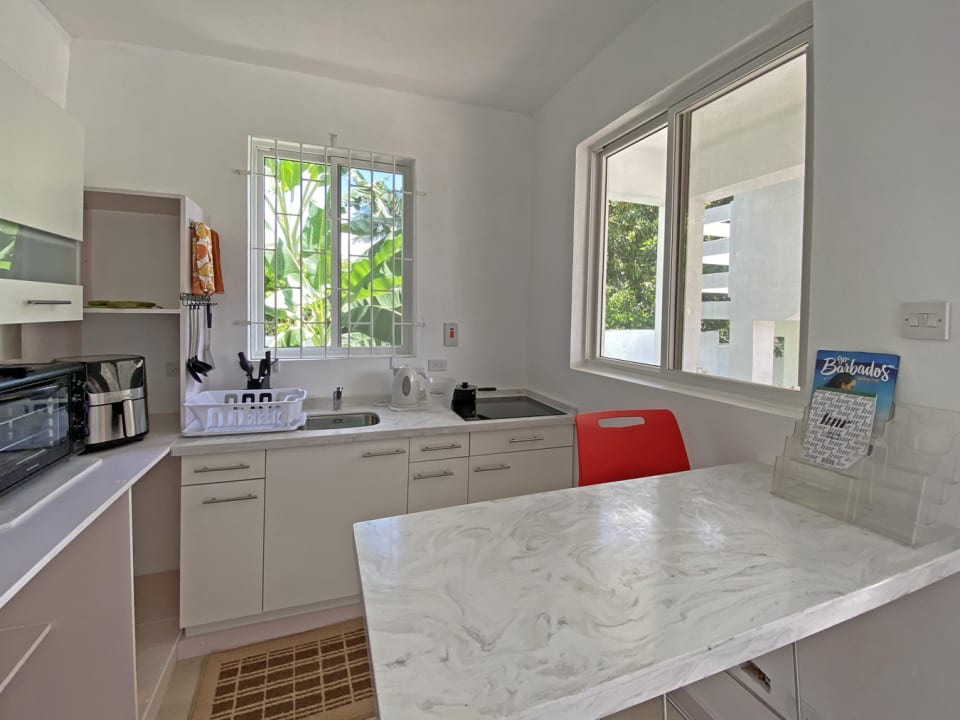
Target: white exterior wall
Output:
{"points": [[176, 122]]}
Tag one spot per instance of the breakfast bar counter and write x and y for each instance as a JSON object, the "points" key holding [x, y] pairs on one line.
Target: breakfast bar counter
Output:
{"points": [[577, 603]]}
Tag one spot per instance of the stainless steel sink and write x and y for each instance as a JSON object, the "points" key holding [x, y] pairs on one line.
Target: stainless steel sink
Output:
{"points": [[341, 420]]}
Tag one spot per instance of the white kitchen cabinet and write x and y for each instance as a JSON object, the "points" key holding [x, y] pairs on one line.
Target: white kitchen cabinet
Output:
{"points": [[519, 473], [222, 467], [221, 551], [42, 149], [439, 447], [314, 496], [437, 484], [520, 439], [23, 301]]}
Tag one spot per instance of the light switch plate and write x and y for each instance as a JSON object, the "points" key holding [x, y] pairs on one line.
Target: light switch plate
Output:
{"points": [[925, 320], [451, 334]]}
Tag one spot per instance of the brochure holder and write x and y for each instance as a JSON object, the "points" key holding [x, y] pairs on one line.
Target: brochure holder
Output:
{"points": [[906, 487]]}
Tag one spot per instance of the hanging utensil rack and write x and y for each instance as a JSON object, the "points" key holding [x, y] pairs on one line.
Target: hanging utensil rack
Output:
{"points": [[188, 299]]}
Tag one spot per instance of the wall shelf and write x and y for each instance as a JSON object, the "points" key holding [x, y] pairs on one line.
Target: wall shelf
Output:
{"points": [[131, 311]]}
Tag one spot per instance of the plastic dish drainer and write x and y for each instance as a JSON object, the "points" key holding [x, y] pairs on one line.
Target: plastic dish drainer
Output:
{"points": [[906, 487], [244, 411]]}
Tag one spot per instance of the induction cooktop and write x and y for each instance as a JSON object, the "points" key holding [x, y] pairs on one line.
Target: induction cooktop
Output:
{"points": [[505, 408]]}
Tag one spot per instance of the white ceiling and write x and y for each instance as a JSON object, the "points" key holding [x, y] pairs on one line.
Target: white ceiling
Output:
{"points": [[508, 54]]}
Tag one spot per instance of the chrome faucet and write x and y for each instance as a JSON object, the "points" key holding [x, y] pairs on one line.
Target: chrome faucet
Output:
{"points": [[337, 397]]}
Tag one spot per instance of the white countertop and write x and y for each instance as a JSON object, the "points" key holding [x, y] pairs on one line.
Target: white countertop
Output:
{"points": [[30, 542], [429, 419], [577, 603]]}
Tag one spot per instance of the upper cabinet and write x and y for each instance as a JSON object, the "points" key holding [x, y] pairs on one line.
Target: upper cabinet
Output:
{"points": [[41, 182]]}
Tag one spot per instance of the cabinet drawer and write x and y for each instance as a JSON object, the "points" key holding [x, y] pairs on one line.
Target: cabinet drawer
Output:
{"points": [[437, 484], [222, 467], [523, 438], [509, 474], [438, 447], [24, 301], [221, 551]]}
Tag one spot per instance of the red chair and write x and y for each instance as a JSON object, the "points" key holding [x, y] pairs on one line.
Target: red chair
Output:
{"points": [[611, 447]]}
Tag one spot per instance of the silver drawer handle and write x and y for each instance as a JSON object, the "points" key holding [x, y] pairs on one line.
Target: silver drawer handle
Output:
{"points": [[216, 500], [381, 453], [238, 466], [442, 473], [430, 448], [49, 302], [531, 438], [490, 468]]}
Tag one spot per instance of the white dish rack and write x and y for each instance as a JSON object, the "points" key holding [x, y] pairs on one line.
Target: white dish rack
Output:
{"points": [[227, 412]]}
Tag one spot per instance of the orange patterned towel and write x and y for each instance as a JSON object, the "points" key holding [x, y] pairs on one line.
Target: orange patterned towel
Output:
{"points": [[217, 275], [202, 280]]}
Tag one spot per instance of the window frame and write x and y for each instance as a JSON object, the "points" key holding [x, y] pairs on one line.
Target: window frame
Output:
{"points": [[339, 159], [671, 109]]}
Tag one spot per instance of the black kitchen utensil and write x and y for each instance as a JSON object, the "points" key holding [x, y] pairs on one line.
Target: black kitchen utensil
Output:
{"points": [[246, 365], [193, 367]]}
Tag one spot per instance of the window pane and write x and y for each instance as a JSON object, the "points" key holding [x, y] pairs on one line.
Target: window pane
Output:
{"points": [[371, 246], [635, 196], [743, 236]]}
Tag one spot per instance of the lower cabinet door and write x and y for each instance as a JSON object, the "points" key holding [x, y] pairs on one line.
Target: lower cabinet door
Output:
{"points": [[221, 551], [437, 484], [519, 473], [314, 496]]}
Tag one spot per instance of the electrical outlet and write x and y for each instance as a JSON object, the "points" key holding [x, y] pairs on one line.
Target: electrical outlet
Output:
{"points": [[172, 369], [436, 365]]}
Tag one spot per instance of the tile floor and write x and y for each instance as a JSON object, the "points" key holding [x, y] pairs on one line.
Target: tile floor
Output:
{"points": [[186, 675], [179, 695]]}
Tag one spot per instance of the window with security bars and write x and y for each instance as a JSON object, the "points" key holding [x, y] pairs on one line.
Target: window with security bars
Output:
{"points": [[331, 251]]}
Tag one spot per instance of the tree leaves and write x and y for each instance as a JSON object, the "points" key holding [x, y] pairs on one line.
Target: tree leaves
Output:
{"points": [[299, 275], [631, 282]]}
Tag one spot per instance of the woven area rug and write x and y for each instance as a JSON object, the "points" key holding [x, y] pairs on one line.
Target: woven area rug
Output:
{"points": [[322, 674]]}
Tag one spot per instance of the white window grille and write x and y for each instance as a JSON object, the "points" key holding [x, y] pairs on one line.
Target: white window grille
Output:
{"points": [[331, 251]]}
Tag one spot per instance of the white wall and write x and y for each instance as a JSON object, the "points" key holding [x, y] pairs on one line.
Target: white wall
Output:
{"points": [[667, 43], [885, 191], [175, 122], [34, 44]]}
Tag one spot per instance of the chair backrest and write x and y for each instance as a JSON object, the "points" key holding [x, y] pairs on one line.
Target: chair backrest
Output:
{"points": [[623, 444]]}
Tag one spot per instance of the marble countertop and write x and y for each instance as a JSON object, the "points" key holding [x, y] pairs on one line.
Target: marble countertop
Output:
{"points": [[31, 541], [577, 603], [429, 419]]}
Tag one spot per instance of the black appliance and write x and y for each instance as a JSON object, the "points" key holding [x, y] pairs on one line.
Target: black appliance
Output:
{"points": [[505, 408], [42, 417]]}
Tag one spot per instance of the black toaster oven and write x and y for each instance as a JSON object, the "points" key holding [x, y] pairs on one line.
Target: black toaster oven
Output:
{"points": [[42, 417]]}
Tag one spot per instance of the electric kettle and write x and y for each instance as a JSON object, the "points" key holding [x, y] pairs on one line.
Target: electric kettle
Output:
{"points": [[409, 387]]}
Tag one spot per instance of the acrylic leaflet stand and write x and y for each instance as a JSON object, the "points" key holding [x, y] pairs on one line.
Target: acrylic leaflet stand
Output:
{"points": [[906, 488]]}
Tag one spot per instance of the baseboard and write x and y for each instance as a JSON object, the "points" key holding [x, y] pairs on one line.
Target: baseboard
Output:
{"points": [[203, 641]]}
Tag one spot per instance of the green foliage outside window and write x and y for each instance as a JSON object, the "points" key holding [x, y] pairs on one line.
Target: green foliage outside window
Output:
{"points": [[631, 291], [310, 298]]}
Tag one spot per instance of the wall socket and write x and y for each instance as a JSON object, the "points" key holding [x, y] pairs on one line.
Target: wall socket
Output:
{"points": [[436, 365]]}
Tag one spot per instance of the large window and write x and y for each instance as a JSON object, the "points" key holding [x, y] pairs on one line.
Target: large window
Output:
{"points": [[331, 251], [696, 244]]}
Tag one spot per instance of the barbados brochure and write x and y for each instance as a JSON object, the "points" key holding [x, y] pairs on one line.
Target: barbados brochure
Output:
{"points": [[863, 372]]}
